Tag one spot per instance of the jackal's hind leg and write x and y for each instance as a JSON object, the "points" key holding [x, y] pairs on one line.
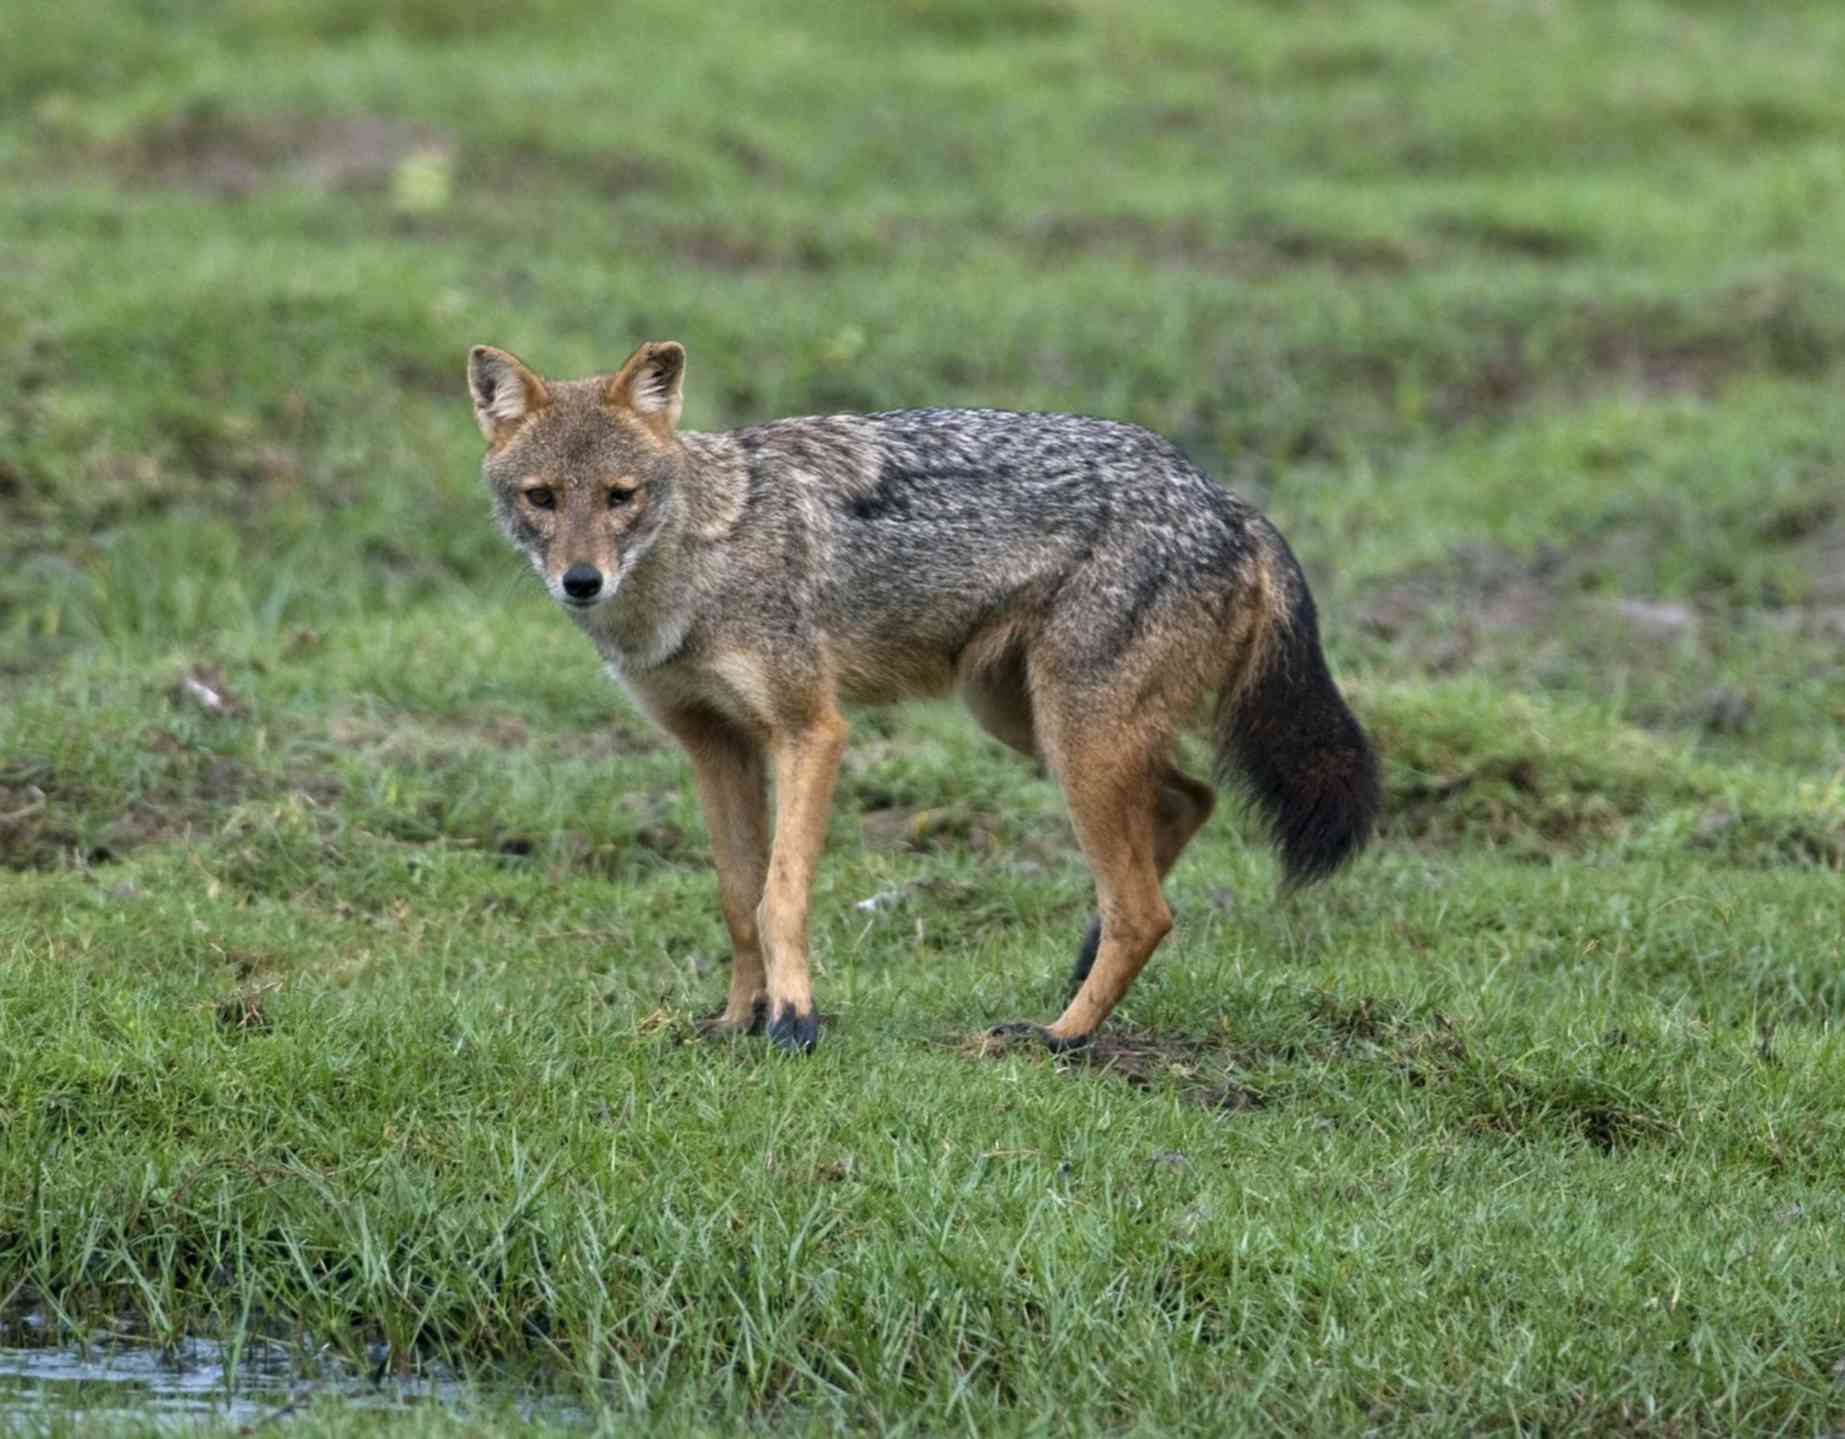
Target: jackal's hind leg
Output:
{"points": [[997, 696], [1115, 777], [1184, 805], [728, 768]]}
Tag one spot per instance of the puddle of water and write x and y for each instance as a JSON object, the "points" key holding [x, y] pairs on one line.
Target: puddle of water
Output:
{"points": [[118, 1379]]}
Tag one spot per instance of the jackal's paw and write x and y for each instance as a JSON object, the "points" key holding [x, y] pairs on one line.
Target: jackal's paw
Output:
{"points": [[793, 1032], [724, 1024], [1021, 1028]]}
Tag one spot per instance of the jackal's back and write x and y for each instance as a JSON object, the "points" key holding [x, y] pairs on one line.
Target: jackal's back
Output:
{"points": [[923, 527]]}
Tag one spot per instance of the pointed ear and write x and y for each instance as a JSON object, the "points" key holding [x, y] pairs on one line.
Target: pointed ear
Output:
{"points": [[649, 385], [504, 391]]}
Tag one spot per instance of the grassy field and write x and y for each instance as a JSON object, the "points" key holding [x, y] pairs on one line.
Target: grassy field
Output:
{"points": [[351, 928]]}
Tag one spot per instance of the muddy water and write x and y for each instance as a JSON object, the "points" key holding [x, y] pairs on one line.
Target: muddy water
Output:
{"points": [[120, 1379]]}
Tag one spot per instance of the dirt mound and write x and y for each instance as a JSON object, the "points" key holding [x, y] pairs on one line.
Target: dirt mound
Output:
{"points": [[234, 157]]}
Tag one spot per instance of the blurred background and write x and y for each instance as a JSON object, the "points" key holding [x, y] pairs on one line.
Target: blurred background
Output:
{"points": [[1522, 317]]}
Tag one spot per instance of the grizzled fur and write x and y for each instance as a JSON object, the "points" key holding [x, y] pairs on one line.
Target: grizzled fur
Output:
{"points": [[1078, 581]]}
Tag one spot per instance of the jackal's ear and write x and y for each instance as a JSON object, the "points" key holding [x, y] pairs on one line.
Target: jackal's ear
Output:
{"points": [[504, 391], [649, 385]]}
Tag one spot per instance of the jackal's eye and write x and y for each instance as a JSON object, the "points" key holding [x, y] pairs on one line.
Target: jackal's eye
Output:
{"points": [[618, 498], [540, 497]]}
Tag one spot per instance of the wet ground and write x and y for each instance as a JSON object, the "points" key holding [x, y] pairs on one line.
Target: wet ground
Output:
{"points": [[199, 1381]]}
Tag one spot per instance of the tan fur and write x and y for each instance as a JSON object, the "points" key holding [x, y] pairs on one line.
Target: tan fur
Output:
{"points": [[1256, 622], [1105, 777], [727, 765], [805, 762]]}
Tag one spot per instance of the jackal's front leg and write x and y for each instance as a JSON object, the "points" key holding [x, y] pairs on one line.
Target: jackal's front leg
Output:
{"points": [[805, 762], [728, 767]]}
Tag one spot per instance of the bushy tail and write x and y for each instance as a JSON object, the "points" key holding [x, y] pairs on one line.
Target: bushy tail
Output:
{"points": [[1284, 731]]}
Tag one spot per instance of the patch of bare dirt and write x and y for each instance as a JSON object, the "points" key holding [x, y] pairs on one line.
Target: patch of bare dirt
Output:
{"points": [[1774, 327], [245, 1012], [1284, 244], [236, 156], [1484, 598], [1203, 1070], [1517, 801], [1143, 1058], [1428, 1050], [1798, 518], [1827, 571], [46, 820], [1486, 603], [1212, 1071], [1035, 841], [1444, 615], [625, 735], [719, 247], [50, 819], [1765, 840], [522, 167], [945, 826], [1510, 237], [441, 743], [1263, 246], [755, 161], [654, 842], [1341, 61], [985, 21], [33, 833], [1529, 1110]]}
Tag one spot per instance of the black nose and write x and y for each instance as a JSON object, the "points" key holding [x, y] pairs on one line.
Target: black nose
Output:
{"points": [[582, 582]]}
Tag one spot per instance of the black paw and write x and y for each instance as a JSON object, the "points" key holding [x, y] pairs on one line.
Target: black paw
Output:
{"points": [[1052, 1042], [793, 1032], [1085, 955]]}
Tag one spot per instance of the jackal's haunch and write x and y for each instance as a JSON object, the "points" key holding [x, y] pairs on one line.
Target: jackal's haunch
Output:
{"points": [[1081, 584]]}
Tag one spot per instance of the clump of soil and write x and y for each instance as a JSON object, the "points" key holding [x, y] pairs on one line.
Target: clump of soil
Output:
{"points": [[1143, 1058], [235, 157]]}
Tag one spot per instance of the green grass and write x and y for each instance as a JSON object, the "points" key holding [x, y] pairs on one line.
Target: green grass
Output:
{"points": [[358, 1017]]}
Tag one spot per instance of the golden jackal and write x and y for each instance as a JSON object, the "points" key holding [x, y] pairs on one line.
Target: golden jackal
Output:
{"points": [[1080, 582]]}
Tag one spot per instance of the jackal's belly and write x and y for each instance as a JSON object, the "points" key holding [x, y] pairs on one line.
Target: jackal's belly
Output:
{"points": [[931, 656], [764, 689], [871, 677]]}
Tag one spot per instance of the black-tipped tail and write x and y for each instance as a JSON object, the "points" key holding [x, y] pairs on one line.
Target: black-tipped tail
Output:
{"points": [[1287, 735]]}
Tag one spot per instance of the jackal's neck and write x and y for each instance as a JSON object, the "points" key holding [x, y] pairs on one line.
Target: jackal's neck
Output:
{"points": [[646, 622], [713, 487]]}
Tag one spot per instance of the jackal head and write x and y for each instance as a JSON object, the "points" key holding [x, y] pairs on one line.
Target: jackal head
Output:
{"points": [[582, 472]]}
